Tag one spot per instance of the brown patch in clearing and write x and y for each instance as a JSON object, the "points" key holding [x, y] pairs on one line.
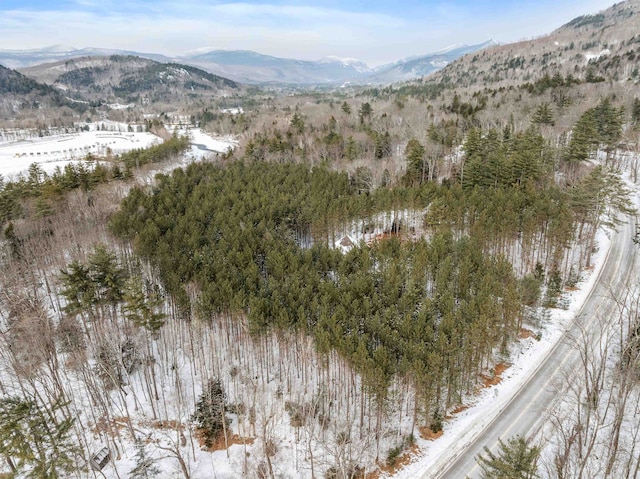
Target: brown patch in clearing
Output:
{"points": [[385, 470], [110, 427], [428, 434], [163, 424], [492, 380], [222, 443], [459, 409], [525, 333]]}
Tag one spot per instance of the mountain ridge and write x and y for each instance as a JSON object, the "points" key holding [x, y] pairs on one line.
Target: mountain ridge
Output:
{"points": [[129, 78], [586, 48], [248, 66]]}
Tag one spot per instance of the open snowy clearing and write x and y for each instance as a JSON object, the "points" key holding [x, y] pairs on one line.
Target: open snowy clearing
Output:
{"points": [[51, 152], [203, 145]]}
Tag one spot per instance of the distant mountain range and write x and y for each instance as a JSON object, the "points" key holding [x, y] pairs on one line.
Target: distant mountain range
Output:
{"points": [[25, 58], [416, 67], [251, 67]]}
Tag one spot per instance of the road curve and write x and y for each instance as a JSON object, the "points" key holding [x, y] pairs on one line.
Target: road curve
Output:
{"points": [[529, 404]]}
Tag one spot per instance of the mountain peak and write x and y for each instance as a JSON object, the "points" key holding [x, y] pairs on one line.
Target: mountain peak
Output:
{"points": [[59, 49], [358, 65]]}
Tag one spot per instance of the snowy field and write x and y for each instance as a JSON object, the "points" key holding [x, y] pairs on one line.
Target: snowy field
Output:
{"points": [[56, 151], [51, 152], [203, 145]]}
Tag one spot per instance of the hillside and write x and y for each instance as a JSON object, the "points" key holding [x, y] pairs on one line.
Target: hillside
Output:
{"points": [[589, 48], [130, 79], [423, 65], [19, 93]]}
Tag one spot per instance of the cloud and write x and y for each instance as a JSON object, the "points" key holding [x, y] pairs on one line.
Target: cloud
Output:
{"points": [[295, 30], [292, 30]]}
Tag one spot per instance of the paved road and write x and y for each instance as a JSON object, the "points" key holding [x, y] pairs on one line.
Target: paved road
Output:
{"points": [[523, 412]]}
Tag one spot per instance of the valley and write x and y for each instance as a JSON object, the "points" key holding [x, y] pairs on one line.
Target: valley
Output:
{"points": [[412, 275]]}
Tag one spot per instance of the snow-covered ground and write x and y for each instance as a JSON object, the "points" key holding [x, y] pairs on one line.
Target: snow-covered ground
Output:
{"points": [[233, 111], [56, 151], [179, 384], [594, 56], [203, 144], [53, 151]]}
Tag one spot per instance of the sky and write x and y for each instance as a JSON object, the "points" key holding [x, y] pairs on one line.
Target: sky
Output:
{"points": [[375, 31]]}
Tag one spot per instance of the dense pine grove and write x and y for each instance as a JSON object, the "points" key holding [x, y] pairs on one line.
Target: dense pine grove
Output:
{"points": [[256, 238]]}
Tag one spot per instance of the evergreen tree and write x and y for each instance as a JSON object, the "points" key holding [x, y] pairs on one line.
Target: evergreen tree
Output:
{"points": [[608, 120], [365, 112], [297, 124], [77, 288], [382, 144], [543, 115], [635, 112], [35, 439], [414, 153], [210, 412], [36, 176], [145, 467], [515, 460], [99, 282], [15, 246], [584, 139], [142, 309], [350, 151]]}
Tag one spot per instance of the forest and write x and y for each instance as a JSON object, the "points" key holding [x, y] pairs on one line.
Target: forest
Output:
{"points": [[324, 298]]}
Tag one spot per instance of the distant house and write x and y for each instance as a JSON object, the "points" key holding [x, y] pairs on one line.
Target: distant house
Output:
{"points": [[345, 244], [100, 459]]}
